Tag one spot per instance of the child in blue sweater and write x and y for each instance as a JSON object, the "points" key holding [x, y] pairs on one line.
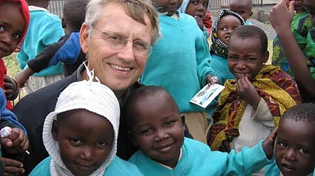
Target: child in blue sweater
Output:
{"points": [[80, 135], [295, 144], [66, 50], [180, 64], [45, 29], [156, 127]]}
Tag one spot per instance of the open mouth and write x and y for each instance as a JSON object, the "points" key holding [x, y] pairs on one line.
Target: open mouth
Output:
{"points": [[287, 168], [240, 75]]}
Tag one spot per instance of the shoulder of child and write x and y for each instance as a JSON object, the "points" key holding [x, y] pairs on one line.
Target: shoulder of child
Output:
{"points": [[122, 168], [42, 169]]}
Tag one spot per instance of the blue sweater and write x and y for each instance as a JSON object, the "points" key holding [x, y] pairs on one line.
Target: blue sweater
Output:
{"points": [[180, 61], [198, 159], [117, 167], [5, 114], [44, 29]]}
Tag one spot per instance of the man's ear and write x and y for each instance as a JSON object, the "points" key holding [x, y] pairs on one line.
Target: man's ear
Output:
{"points": [[55, 130], [84, 37], [266, 57], [132, 138]]}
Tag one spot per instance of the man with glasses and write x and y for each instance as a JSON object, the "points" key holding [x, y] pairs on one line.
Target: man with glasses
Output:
{"points": [[117, 38]]}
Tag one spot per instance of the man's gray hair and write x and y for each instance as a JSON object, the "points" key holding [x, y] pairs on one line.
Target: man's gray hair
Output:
{"points": [[136, 9]]}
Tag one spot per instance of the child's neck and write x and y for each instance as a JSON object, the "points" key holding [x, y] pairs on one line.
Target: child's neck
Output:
{"points": [[172, 163]]}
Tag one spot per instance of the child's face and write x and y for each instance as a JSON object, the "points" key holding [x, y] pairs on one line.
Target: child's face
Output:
{"points": [[309, 6], [197, 8], [245, 11], [295, 147], [298, 5], [85, 140], [245, 59], [12, 25], [169, 6], [227, 25], [158, 129]]}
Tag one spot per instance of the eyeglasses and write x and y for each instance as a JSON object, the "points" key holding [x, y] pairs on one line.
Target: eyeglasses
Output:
{"points": [[118, 41]]}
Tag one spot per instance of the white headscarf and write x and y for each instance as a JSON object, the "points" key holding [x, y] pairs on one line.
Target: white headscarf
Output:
{"points": [[89, 95]]}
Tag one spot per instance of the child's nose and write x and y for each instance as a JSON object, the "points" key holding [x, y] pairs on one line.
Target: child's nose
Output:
{"points": [[290, 155], [161, 135], [88, 153], [6, 38]]}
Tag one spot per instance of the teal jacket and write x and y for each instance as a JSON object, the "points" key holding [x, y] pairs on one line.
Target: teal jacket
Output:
{"points": [[117, 167], [198, 159], [44, 29], [180, 61]]}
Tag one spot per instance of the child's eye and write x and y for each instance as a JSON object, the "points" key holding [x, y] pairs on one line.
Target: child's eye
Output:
{"points": [[303, 151], [223, 28], [282, 144], [1, 28], [146, 131], [194, 2], [251, 59], [169, 123], [205, 4], [75, 141], [232, 58], [16, 35], [102, 144]]}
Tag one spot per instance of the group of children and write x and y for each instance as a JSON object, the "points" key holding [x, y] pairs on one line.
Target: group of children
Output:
{"points": [[258, 120]]}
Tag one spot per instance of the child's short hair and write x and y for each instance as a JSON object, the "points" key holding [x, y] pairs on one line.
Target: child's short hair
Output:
{"points": [[140, 94], [74, 13], [249, 31], [301, 112]]}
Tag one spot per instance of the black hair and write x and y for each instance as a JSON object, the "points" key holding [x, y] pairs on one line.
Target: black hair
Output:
{"points": [[249, 31], [74, 13], [140, 95], [301, 112]]}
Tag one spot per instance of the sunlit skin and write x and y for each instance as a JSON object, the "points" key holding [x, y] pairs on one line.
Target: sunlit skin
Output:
{"points": [[295, 147], [245, 60], [115, 68], [12, 25], [85, 140], [309, 6], [197, 8], [241, 8], [158, 129], [227, 25]]}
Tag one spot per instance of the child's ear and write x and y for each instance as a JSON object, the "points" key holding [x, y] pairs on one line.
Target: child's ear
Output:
{"points": [[182, 117], [250, 14], [266, 57], [55, 130], [63, 23], [131, 137]]}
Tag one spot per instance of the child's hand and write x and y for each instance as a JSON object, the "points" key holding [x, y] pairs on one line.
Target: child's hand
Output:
{"points": [[12, 167], [281, 16], [269, 143], [212, 80], [225, 146], [10, 87], [23, 76], [247, 92], [199, 22], [16, 142]]}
